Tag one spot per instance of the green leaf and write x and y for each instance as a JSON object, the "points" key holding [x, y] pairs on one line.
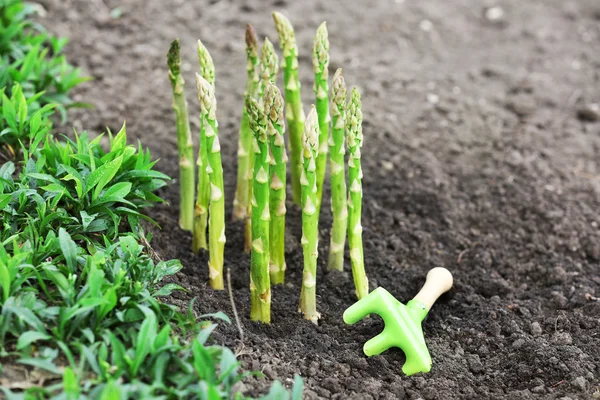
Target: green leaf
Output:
{"points": [[111, 392], [29, 337], [203, 363], [218, 315], [144, 339], [68, 247], [167, 289], [4, 200], [87, 219], [102, 175], [70, 384]]}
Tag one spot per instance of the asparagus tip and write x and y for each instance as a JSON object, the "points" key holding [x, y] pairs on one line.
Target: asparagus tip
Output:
{"points": [[321, 49], [274, 104], [207, 67], [173, 57], [251, 39], [284, 28], [311, 130], [206, 93], [269, 64], [339, 88]]}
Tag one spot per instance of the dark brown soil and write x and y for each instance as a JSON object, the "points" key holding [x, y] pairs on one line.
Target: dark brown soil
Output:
{"points": [[481, 155]]}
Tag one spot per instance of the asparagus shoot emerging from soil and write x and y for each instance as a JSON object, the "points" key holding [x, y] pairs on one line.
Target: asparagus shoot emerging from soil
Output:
{"points": [[321, 67], [339, 206], [214, 169], [207, 72], [354, 118], [277, 178], [310, 218], [294, 113], [260, 286], [240, 202], [184, 140], [269, 68]]}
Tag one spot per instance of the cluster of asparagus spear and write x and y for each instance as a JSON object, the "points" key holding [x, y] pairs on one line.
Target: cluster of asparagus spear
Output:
{"points": [[330, 128]]}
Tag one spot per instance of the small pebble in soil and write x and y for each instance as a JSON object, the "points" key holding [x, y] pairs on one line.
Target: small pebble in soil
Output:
{"points": [[494, 14], [559, 274], [562, 338], [579, 383], [589, 112], [535, 329], [475, 364]]}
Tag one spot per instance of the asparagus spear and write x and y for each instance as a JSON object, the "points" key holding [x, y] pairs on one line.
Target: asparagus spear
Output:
{"points": [[277, 178], [214, 169], [339, 206], [355, 139], [260, 286], [310, 218], [269, 68], [240, 202], [184, 140], [294, 113], [321, 67], [207, 71]]}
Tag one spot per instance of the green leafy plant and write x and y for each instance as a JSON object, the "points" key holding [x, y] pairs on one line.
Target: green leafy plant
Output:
{"points": [[32, 57]]}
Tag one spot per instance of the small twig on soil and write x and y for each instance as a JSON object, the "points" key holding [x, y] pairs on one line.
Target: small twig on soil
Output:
{"points": [[235, 314], [153, 254]]}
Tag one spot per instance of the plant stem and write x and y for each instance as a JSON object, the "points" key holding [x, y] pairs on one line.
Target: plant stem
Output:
{"points": [[355, 139], [184, 140], [321, 67], [216, 225], [294, 113], [273, 103], [240, 202], [260, 286], [207, 71], [339, 206], [310, 218], [269, 68]]}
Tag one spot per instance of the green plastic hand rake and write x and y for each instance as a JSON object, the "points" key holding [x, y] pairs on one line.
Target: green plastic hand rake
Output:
{"points": [[402, 322]]}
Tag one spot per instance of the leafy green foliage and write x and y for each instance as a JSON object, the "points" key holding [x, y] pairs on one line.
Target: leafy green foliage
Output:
{"points": [[79, 291], [31, 56]]}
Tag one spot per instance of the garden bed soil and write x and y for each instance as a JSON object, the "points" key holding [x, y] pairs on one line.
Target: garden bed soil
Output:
{"points": [[481, 155]]}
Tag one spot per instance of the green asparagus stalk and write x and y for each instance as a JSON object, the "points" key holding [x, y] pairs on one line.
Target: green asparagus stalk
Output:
{"points": [[321, 67], [310, 218], [214, 169], [269, 68], [184, 140], [355, 140], [339, 206], [207, 71], [273, 103], [260, 286], [294, 113], [240, 202]]}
